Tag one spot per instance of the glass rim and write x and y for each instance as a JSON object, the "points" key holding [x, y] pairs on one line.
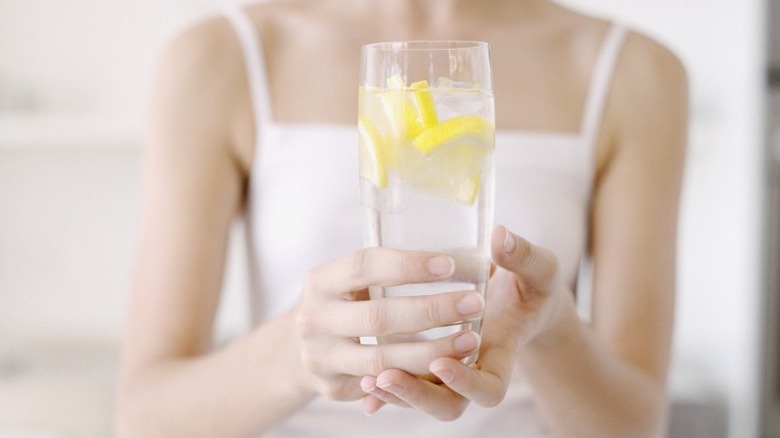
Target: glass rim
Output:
{"points": [[426, 45]]}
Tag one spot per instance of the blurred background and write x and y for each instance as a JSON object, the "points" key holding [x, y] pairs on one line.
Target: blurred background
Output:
{"points": [[74, 78]]}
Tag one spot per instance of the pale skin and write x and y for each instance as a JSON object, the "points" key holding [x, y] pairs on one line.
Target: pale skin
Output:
{"points": [[606, 378]]}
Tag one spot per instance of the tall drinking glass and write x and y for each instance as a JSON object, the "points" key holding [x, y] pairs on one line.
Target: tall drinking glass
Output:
{"points": [[426, 139]]}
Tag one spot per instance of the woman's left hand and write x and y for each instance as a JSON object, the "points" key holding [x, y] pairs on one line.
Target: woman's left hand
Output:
{"points": [[525, 296]]}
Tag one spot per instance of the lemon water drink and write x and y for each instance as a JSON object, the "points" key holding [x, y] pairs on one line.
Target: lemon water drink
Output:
{"points": [[426, 179]]}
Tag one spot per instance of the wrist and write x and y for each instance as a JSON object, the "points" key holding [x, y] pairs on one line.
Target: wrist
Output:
{"points": [[562, 325], [278, 363]]}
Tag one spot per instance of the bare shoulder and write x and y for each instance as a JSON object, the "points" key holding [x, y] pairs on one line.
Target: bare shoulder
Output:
{"points": [[206, 51], [650, 87], [642, 56], [645, 58], [646, 118], [647, 107], [200, 88]]}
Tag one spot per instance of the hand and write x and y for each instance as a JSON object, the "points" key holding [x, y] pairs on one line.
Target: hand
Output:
{"points": [[334, 312], [523, 299]]}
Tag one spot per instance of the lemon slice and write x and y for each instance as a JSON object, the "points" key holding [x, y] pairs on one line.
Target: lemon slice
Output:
{"points": [[448, 158], [456, 129], [373, 153], [468, 190], [425, 105], [400, 112]]}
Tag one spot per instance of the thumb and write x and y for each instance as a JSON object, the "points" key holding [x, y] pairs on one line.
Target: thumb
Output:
{"points": [[535, 267]]}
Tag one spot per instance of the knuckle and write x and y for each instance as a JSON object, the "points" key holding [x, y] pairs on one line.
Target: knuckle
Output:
{"points": [[549, 266], [401, 262], [359, 262], [537, 262], [375, 362], [526, 255], [310, 280], [311, 362], [375, 318], [305, 326], [332, 390], [432, 312]]}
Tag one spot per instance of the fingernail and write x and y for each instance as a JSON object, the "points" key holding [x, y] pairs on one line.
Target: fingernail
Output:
{"points": [[509, 242], [441, 266], [393, 388], [367, 384], [446, 375], [467, 342], [471, 304]]}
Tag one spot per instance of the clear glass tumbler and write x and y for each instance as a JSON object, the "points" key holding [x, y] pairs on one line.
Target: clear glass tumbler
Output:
{"points": [[426, 139]]}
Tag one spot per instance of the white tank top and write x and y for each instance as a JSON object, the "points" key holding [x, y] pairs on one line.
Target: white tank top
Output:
{"points": [[303, 209]]}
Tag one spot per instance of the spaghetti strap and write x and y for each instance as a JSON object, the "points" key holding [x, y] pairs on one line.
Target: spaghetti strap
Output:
{"points": [[591, 121], [600, 84], [256, 73]]}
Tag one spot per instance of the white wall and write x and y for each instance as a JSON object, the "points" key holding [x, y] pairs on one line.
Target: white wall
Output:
{"points": [[73, 82], [73, 55]]}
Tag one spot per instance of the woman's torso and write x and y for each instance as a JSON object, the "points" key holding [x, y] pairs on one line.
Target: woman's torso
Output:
{"points": [[302, 206]]}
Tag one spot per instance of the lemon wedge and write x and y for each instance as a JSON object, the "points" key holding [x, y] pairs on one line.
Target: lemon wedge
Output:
{"points": [[456, 129], [374, 153], [399, 110], [401, 136], [425, 105], [448, 158], [468, 190]]}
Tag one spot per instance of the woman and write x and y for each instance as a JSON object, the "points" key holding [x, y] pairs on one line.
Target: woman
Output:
{"points": [[253, 116]]}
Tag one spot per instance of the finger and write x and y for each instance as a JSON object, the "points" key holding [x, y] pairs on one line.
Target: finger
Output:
{"points": [[535, 266], [380, 397], [341, 388], [436, 400], [413, 357], [485, 384], [372, 404], [378, 266], [395, 315]]}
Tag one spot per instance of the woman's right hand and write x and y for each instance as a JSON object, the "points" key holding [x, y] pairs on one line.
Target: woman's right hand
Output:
{"points": [[334, 312]]}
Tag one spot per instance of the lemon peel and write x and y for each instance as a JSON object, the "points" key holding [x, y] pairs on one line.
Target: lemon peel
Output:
{"points": [[374, 153], [451, 130], [468, 190]]}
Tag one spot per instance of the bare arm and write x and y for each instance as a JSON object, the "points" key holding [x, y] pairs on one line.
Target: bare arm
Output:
{"points": [[171, 385], [610, 381]]}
